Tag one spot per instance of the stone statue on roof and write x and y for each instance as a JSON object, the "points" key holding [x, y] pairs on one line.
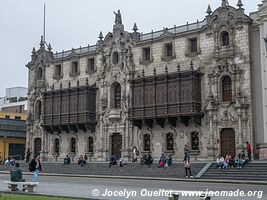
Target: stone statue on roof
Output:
{"points": [[118, 17]]}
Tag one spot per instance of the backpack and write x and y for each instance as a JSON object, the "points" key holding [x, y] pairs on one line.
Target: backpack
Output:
{"points": [[32, 166]]}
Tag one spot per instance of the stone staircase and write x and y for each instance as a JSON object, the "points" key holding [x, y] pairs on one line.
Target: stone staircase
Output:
{"points": [[252, 171], [176, 170]]}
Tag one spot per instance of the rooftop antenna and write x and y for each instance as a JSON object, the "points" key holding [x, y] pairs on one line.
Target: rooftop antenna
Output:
{"points": [[44, 25]]}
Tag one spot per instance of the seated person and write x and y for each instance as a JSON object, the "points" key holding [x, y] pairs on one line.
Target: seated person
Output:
{"points": [[239, 161], [149, 160], [162, 160], [67, 160], [121, 162], [81, 161], [9, 162], [16, 174], [219, 161], [113, 160], [231, 161], [244, 158], [168, 161], [226, 162], [144, 159]]}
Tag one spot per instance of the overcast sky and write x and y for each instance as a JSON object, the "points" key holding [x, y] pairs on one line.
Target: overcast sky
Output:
{"points": [[74, 23]]}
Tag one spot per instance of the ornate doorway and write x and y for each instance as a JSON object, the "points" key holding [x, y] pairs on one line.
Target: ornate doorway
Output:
{"points": [[37, 145], [228, 142], [116, 144]]}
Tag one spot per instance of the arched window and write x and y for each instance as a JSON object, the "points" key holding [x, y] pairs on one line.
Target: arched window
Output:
{"points": [[146, 142], [169, 141], [38, 110], [56, 145], [117, 96], [226, 89], [225, 38], [195, 140], [91, 144], [115, 58], [73, 145], [39, 73]]}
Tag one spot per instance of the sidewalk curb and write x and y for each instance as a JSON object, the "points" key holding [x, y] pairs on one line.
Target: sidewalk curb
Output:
{"points": [[246, 182], [44, 195]]}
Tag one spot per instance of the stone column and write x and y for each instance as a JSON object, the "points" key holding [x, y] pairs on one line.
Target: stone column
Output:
{"points": [[211, 137]]}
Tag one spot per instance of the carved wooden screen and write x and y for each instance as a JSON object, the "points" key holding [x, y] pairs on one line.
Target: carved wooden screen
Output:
{"points": [[70, 106], [166, 95]]}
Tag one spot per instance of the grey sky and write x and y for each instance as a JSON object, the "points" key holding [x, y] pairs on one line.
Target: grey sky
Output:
{"points": [[74, 23]]}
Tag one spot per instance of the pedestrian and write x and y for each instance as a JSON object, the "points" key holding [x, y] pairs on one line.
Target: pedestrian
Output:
{"points": [[135, 154], [35, 167], [28, 154], [187, 167], [186, 152], [249, 151]]}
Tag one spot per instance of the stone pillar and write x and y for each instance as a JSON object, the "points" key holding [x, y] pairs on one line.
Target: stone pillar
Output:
{"points": [[240, 133], [211, 152]]}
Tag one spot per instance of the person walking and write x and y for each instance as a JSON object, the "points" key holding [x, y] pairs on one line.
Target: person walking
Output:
{"points": [[135, 154], [35, 167], [28, 154], [187, 167], [249, 151]]}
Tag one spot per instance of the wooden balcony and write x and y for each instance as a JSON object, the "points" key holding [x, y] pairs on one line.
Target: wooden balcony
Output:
{"points": [[70, 109], [168, 96]]}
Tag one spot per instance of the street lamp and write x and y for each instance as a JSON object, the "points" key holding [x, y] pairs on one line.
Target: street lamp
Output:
{"points": [[5, 148], [265, 40]]}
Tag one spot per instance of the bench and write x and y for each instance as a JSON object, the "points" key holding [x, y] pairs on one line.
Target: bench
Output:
{"points": [[26, 185]]}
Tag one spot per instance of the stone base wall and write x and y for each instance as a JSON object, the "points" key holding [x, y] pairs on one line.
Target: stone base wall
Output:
{"points": [[263, 151]]}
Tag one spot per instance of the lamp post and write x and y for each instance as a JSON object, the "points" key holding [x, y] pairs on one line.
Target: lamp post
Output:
{"points": [[5, 148], [265, 41]]}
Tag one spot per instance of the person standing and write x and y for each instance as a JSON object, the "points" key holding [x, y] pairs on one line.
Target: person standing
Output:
{"points": [[35, 167], [249, 151], [28, 154], [187, 167], [186, 152], [135, 154]]}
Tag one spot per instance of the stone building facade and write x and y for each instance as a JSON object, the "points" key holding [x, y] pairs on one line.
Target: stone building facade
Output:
{"points": [[259, 64], [156, 91]]}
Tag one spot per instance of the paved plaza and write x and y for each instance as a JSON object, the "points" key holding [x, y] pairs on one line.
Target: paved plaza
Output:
{"points": [[84, 187]]}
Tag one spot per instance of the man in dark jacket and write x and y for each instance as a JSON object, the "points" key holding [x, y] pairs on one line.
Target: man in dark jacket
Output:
{"points": [[16, 174], [35, 167]]}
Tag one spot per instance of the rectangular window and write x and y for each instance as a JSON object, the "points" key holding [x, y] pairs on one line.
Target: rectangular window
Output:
{"points": [[146, 54], [193, 45], [18, 117], [7, 116], [91, 65], [75, 68], [168, 50], [58, 71]]}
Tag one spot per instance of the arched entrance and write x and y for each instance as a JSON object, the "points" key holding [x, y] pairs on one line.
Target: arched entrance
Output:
{"points": [[116, 144], [37, 146], [228, 142]]}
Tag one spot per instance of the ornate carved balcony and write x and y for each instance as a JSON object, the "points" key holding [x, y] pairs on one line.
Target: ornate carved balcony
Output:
{"points": [[70, 109], [166, 96]]}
